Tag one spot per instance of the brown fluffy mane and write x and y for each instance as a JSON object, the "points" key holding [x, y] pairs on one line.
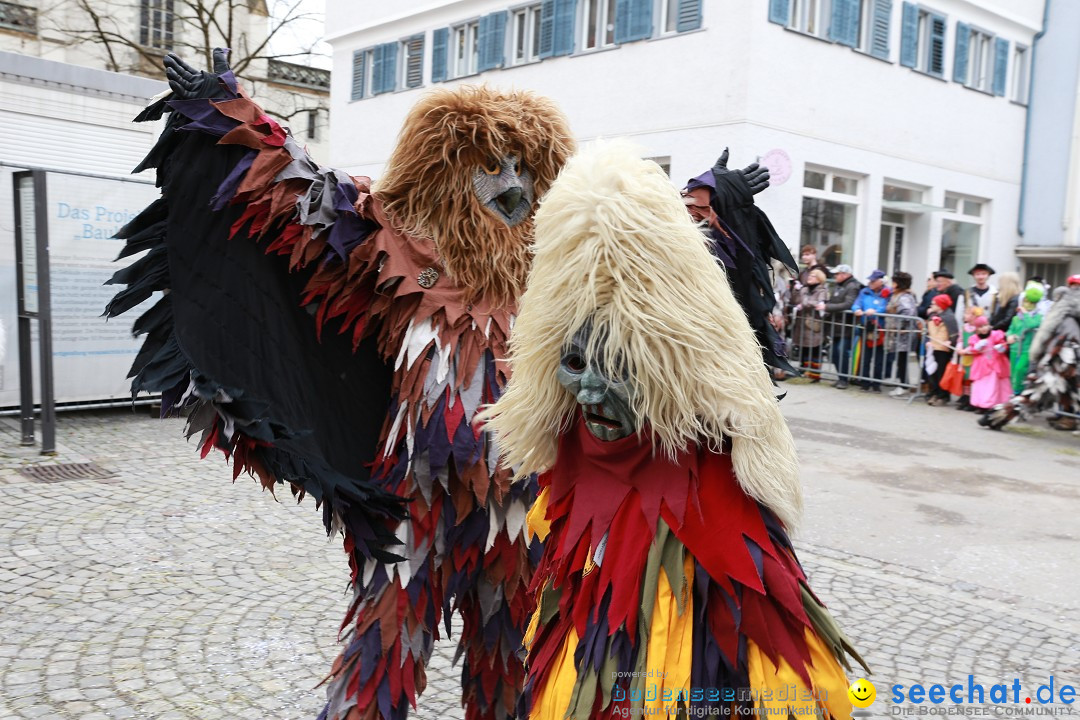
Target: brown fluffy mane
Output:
{"points": [[427, 188]]}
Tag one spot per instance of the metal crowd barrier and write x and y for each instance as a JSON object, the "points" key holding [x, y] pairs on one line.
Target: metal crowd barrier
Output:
{"points": [[880, 350]]}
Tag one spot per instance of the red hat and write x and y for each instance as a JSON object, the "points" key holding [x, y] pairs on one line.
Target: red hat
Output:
{"points": [[980, 321], [1073, 280], [943, 301]]}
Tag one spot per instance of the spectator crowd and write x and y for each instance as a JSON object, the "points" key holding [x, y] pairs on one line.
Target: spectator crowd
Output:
{"points": [[969, 343]]}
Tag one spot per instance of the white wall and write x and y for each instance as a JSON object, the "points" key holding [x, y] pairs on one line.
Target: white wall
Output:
{"points": [[75, 119]]}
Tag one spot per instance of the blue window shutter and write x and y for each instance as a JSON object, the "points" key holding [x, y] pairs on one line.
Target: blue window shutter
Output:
{"points": [[780, 11], [439, 40], [689, 15], [879, 28], [936, 66], [547, 28], [385, 68], [498, 38], [622, 21], [357, 74], [909, 36], [960, 58], [844, 23], [491, 40], [1001, 64], [377, 72], [633, 20], [483, 47], [565, 10], [641, 19]]}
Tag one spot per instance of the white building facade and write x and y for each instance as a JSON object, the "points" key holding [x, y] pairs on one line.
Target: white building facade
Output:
{"points": [[894, 130], [133, 36]]}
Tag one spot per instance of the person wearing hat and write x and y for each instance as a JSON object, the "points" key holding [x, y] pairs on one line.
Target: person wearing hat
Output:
{"points": [[1021, 334], [942, 282], [982, 293], [839, 325], [870, 303], [942, 332]]}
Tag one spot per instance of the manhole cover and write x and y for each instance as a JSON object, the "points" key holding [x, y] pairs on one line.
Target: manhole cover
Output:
{"points": [[67, 471]]}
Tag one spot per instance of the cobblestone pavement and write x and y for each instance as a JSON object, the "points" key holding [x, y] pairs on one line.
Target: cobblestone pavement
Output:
{"points": [[167, 592]]}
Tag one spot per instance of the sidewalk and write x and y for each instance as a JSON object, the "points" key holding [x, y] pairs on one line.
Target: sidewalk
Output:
{"points": [[167, 591]]}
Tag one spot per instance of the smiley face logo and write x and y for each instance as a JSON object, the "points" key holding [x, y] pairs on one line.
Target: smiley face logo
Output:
{"points": [[862, 693]]}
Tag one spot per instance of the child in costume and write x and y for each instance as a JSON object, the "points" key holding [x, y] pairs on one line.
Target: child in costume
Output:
{"points": [[669, 478], [989, 367], [1055, 373], [1021, 334]]}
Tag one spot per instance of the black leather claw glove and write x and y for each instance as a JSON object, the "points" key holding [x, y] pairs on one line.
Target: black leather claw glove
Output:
{"points": [[754, 175], [187, 83]]}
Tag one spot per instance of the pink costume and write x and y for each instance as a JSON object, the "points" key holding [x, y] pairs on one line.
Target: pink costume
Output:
{"points": [[990, 384]]}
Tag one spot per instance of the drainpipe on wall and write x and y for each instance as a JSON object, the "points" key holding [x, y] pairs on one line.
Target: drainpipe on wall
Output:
{"points": [[1027, 123]]}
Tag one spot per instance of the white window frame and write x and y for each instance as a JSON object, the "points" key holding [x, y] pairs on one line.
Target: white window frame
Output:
{"points": [[1021, 73], [662, 8], [924, 47], [369, 72], [838, 197], [811, 17], [866, 26], [402, 68], [527, 18], [604, 36], [464, 36], [955, 202], [158, 32], [980, 63]]}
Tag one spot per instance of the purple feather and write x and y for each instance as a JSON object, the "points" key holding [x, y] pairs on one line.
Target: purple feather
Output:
{"points": [[204, 116], [227, 189]]}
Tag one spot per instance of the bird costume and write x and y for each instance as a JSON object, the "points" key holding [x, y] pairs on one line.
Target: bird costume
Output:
{"points": [[668, 476], [340, 336]]}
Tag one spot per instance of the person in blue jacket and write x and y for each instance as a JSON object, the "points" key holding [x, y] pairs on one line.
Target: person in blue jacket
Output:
{"points": [[870, 303]]}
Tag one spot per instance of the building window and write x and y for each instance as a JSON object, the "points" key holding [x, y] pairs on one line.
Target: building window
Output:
{"points": [[960, 234], [313, 125], [896, 202], [18, 17], [930, 49], [466, 50], [980, 57], [156, 24], [830, 210], [412, 69], [362, 73], [922, 41], [810, 16], [599, 25], [669, 16], [525, 30], [1020, 74]]}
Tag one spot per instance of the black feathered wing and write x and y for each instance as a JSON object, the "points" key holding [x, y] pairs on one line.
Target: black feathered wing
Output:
{"points": [[244, 220]]}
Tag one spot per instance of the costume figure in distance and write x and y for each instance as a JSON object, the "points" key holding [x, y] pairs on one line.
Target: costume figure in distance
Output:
{"points": [[668, 474], [339, 336], [1054, 357]]}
